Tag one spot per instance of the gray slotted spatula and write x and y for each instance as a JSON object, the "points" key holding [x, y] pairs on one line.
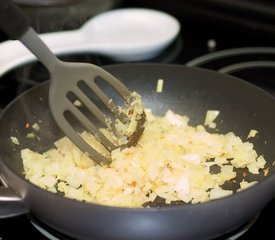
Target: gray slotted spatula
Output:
{"points": [[65, 78]]}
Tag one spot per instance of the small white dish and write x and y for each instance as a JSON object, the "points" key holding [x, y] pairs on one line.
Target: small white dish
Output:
{"points": [[132, 34]]}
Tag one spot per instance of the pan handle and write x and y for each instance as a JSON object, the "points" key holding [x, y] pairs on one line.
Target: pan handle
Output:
{"points": [[11, 204]]}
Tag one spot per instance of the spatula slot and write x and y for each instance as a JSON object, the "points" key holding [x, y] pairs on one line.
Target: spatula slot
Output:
{"points": [[102, 100], [79, 123], [110, 91], [88, 109], [92, 96]]}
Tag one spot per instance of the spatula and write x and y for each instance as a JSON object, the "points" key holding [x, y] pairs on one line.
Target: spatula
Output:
{"points": [[66, 78]]}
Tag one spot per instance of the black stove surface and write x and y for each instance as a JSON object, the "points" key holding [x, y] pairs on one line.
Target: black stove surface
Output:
{"points": [[209, 41]]}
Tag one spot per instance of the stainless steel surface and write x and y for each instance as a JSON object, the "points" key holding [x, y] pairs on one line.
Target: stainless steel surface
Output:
{"points": [[10, 203]]}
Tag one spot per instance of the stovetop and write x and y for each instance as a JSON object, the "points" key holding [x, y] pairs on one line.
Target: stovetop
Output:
{"points": [[213, 42]]}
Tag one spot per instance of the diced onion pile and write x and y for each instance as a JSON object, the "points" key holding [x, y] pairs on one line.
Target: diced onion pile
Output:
{"points": [[172, 160]]}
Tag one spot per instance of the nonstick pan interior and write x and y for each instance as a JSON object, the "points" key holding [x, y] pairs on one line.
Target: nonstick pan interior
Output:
{"points": [[187, 91]]}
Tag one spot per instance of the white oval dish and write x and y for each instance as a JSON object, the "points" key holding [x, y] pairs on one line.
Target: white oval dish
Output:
{"points": [[132, 34]]}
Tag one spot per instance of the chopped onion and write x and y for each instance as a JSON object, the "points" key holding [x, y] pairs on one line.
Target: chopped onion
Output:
{"points": [[252, 133], [159, 85], [15, 140], [210, 117]]}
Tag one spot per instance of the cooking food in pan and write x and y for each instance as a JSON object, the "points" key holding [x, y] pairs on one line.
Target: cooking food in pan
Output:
{"points": [[172, 160], [187, 92]]}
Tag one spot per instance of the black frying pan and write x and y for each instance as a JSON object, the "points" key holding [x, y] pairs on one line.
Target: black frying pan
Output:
{"points": [[187, 91]]}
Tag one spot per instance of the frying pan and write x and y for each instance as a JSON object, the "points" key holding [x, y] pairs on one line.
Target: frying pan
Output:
{"points": [[189, 91]]}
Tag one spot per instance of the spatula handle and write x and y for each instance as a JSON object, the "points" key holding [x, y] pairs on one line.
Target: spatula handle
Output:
{"points": [[17, 26], [12, 21]]}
